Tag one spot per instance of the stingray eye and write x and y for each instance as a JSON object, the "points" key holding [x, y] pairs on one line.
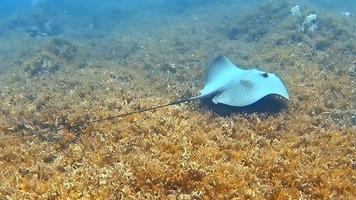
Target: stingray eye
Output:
{"points": [[265, 75]]}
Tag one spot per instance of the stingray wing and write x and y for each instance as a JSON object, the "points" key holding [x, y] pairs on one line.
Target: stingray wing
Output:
{"points": [[220, 72]]}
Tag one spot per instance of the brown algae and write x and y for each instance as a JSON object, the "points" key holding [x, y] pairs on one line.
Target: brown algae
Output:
{"points": [[184, 151]]}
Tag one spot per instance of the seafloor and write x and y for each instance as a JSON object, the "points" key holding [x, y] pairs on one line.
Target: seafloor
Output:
{"points": [[184, 151]]}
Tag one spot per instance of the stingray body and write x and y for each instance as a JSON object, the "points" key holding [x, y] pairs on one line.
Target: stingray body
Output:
{"points": [[237, 87]]}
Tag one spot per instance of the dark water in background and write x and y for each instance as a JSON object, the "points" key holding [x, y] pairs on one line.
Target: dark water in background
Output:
{"points": [[29, 22], [90, 6], [332, 4], [106, 13], [96, 12]]}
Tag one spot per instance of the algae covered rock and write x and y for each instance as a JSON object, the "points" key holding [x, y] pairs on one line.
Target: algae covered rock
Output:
{"points": [[310, 23], [257, 23], [42, 65], [63, 49], [296, 10], [48, 59]]}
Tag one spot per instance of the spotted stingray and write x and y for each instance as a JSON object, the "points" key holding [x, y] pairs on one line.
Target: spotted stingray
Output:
{"points": [[234, 86]]}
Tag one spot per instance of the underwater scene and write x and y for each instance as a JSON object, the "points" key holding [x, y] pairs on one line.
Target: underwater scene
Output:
{"points": [[177, 99]]}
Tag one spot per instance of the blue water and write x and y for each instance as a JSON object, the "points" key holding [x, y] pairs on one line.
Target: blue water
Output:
{"points": [[30, 23], [113, 12], [106, 14]]}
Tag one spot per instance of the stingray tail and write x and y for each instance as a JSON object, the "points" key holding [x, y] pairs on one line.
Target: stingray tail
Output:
{"points": [[83, 123]]}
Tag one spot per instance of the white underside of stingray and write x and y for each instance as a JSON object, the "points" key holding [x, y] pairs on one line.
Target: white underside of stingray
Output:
{"points": [[233, 86]]}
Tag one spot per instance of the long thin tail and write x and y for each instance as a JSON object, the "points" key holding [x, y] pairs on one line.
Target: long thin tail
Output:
{"points": [[83, 123]]}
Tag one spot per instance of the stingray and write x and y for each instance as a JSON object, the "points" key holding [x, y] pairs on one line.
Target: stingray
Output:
{"points": [[227, 85], [237, 87]]}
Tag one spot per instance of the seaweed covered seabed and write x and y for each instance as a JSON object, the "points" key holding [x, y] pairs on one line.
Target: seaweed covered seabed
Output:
{"points": [[184, 151]]}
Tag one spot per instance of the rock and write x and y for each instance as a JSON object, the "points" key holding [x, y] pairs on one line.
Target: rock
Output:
{"points": [[35, 32], [260, 21], [42, 65], [346, 14], [42, 29], [63, 49], [311, 18], [310, 23], [296, 11]]}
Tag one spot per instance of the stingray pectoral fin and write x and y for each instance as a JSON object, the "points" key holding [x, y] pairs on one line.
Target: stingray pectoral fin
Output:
{"points": [[220, 72], [219, 67]]}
